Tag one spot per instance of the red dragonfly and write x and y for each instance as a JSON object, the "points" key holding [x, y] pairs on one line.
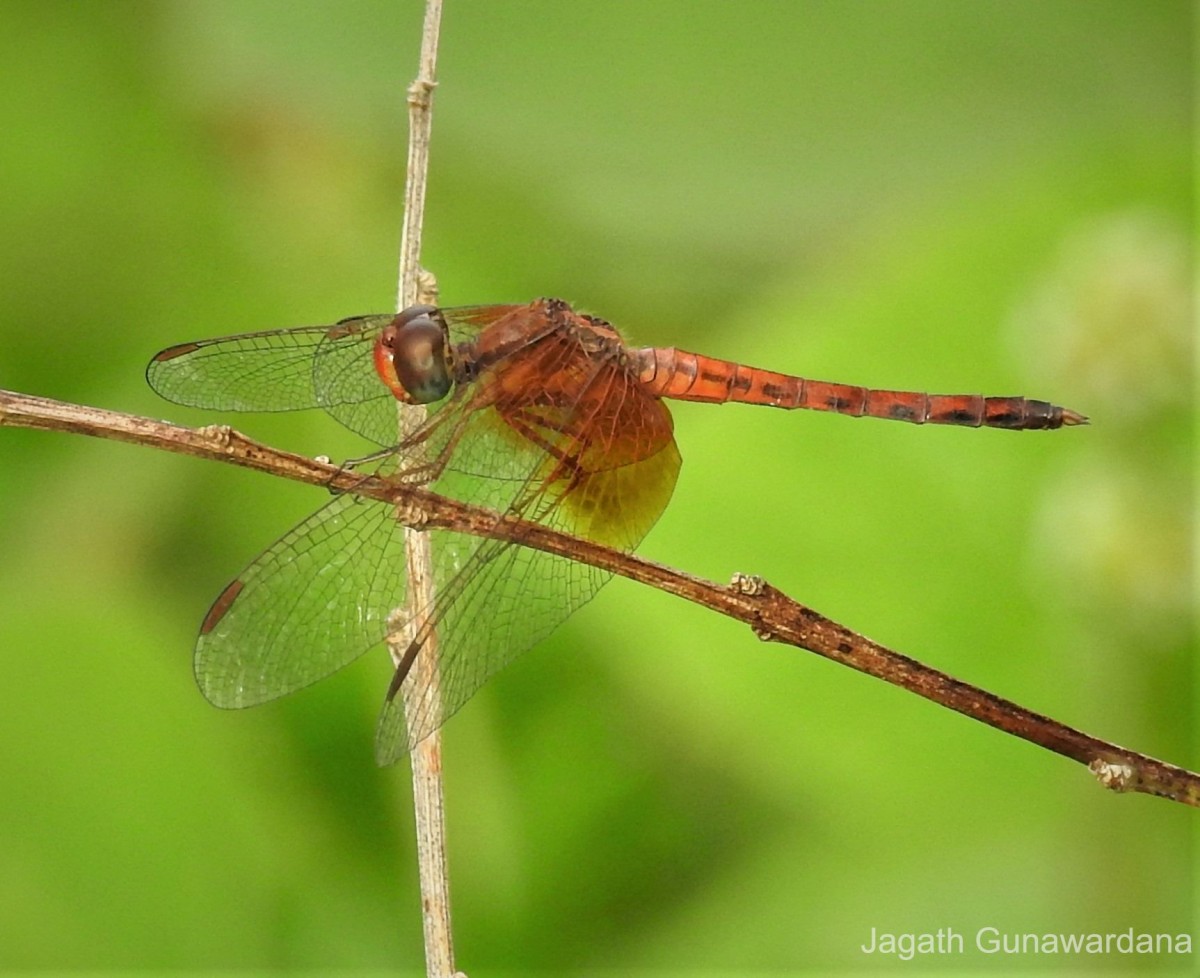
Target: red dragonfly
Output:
{"points": [[536, 411]]}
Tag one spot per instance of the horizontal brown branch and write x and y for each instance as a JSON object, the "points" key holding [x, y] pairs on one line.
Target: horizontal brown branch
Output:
{"points": [[773, 616]]}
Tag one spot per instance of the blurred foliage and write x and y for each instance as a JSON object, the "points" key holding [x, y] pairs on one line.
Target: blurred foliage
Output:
{"points": [[934, 194]]}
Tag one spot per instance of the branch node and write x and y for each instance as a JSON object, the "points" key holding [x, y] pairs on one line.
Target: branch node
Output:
{"points": [[763, 632], [1114, 775], [750, 585], [427, 287], [420, 93], [411, 514], [222, 435]]}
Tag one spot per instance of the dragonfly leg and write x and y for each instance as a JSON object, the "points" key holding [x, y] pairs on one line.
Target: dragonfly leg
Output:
{"points": [[424, 470], [565, 461], [404, 667], [349, 465]]}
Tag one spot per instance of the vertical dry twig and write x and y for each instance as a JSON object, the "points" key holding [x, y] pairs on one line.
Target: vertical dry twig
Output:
{"points": [[428, 803], [420, 123]]}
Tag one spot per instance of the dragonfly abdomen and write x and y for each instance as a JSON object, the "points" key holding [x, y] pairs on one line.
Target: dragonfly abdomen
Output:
{"points": [[668, 372]]}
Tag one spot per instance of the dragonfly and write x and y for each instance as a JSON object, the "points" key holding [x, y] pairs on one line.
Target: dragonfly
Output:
{"points": [[534, 411]]}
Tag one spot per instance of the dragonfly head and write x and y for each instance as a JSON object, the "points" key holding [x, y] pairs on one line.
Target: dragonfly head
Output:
{"points": [[412, 358]]}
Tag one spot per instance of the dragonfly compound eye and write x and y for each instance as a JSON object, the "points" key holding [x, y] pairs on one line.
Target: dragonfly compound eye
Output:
{"points": [[410, 356]]}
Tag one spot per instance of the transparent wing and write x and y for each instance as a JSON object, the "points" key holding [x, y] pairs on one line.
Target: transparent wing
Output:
{"points": [[311, 603], [328, 367], [267, 371]]}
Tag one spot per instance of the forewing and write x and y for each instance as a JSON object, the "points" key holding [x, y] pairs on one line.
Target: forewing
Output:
{"points": [[329, 367], [269, 371]]}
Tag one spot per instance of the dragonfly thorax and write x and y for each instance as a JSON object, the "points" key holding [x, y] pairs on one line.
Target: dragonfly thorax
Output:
{"points": [[412, 357]]}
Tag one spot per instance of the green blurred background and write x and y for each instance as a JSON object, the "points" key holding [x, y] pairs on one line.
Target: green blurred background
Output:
{"points": [[956, 196]]}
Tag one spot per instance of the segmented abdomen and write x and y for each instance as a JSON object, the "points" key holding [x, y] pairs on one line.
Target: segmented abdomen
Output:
{"points": [[668, 372]]}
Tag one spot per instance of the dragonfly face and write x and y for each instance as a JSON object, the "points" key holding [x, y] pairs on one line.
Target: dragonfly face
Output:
{"points": [[412, 356]]}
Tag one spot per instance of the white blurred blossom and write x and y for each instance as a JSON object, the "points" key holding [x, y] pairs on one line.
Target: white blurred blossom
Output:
{"points": [[1112, 324]]}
